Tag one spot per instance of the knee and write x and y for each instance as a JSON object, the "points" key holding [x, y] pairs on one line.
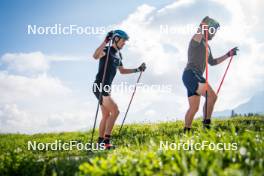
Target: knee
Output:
{"points": [[213, 98], [106, 115], [194, 109], [115, 112]]}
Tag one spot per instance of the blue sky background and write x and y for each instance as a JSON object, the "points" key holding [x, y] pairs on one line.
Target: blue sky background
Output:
{"points": [[16, 15], [45, 80]]}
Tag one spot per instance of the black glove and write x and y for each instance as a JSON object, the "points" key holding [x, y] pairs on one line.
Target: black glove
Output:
{"points": [[142, 67], [232, 52], [109, 36]]}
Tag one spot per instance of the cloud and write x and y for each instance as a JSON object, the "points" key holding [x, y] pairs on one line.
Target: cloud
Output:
{"points": [[14, 119], [10, 115], [33, 63], [33, 101], [25, 62], [16, 88], [166, 53]]}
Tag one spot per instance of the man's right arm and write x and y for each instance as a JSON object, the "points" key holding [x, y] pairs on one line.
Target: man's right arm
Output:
{"points": [[99, 52]]}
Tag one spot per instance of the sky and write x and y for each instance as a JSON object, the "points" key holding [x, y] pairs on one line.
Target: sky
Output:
{"points": [[46, 79]]}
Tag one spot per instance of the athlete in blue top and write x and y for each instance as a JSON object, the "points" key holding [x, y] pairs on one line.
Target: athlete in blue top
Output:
{"points": [[108, 106]]}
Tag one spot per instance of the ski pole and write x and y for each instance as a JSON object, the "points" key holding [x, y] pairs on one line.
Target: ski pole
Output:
{"points": [[135, 88], [221, 83], [206, 72]]}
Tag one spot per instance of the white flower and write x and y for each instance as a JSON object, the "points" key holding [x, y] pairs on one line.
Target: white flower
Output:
{"points": [[242, 150]]}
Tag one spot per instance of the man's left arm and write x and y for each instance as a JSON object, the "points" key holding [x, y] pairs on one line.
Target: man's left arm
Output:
{"points": [[221, 59], [123, 70]]}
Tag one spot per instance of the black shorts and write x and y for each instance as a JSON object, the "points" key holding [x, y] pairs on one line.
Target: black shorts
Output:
{"points": [[191, 80], [97, 91]]}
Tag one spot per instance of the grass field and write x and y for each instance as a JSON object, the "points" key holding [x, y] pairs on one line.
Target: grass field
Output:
{"points": [[140, 151]]}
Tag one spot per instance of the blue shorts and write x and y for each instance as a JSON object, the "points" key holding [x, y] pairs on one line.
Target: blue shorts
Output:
{"points": [[96, 91], [191, 80]]}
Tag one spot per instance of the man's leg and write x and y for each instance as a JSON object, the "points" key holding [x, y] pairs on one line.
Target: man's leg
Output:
{"points": [[105, 116], [209, 107], [112, 107], [194, 102], [211, 99]]}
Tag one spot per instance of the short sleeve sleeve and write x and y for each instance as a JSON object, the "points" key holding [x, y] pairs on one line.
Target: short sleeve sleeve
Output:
{"points": [[194, 43]]}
